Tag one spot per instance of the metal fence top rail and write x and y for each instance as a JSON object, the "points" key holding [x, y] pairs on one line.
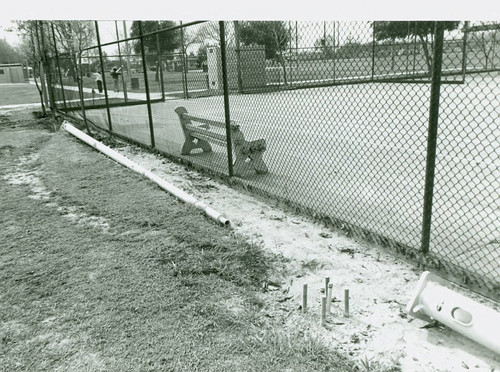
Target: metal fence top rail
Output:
{"points": [[144, 35]]}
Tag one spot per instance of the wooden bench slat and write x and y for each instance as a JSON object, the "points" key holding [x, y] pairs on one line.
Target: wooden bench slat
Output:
{"points": [[206, 133], [204, 121], [209, 138]]}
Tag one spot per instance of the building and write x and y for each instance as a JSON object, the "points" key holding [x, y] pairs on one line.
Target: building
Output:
{"points": [[12, 73]]}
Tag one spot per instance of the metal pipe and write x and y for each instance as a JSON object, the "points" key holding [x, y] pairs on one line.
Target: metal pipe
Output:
{"points": [[80, 91], [127, 50], [103, 75], [373, 51], [146, 86], [304, 298], [238, 55], [184, 65], [432, 137], [329, 294], [185, 197], [226, 98], [323, 311], [432, 300], [160, 63], [121, 63], [464, 50]]}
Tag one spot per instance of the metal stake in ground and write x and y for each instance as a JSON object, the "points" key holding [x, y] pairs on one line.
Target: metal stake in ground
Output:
{"points": [[346, 303], [329, 297], [304, 298], [323, 311]]}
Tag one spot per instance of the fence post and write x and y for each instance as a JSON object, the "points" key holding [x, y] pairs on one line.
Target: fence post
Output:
{"points": [[226, 98], [464, 49], [373, 51], [432, 136], [184, 65], [80, 90], [127, 50], [146, 86], [103, 75], [160, 63], [58, 65], [238, 55], [334, 49], [124, 83]]}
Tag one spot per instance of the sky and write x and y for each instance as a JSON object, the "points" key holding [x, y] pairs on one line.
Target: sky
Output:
{"points": [[10, 37], [317, 10]]}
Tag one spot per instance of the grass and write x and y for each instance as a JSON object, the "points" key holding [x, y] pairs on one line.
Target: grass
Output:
{"points": [[154, 286], [14, 94]]}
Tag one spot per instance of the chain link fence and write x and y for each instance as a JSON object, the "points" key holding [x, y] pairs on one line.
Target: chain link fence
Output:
{"points": [[344, 120]]}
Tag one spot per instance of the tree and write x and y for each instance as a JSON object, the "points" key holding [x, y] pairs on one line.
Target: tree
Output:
{"points": [[201, 56], [486, 38], [163, 42], [9, 54], [73, 36], [423, 30], [272, 34], [34, 53], [168, 41], [326, 45], [208, 34]]}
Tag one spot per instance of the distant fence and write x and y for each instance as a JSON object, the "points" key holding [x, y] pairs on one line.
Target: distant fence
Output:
{"points": [[386, 130]]}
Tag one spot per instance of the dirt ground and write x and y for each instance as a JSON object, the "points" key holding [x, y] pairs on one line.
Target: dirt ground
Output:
{"points": [[380, 285], [378, 330]]}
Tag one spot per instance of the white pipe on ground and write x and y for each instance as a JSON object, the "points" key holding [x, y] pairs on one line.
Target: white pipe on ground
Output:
{"points": [[433, 300], [185, 197]]}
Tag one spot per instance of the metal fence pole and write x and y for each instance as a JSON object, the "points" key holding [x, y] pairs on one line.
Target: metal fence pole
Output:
{"points": [[146, 86], [127, 50], [334, 49], [415, 49], [226, 98], [58, 66], [103, 75], [160, 63], [124, 83], [464, 49], [80, 90], [373, 52], [238, 55], [432, 136], [184, 65]]}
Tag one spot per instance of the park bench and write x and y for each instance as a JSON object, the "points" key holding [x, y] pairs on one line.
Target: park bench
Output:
{"points": [[199, 132]]}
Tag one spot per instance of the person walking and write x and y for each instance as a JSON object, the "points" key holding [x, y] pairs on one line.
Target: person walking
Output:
{"points": [[98, 80], [115, 74]]}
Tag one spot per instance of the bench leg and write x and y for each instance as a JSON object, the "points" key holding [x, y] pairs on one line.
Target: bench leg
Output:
{"points": [[245, 164], [194, 143], [241, 167], [258, 163]]}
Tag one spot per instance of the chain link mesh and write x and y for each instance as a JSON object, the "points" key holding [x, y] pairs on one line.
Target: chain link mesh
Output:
{"points": [[334, 117]]}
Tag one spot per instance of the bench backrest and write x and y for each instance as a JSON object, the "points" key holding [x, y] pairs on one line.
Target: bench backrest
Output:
{"points": [[189, 129]]}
